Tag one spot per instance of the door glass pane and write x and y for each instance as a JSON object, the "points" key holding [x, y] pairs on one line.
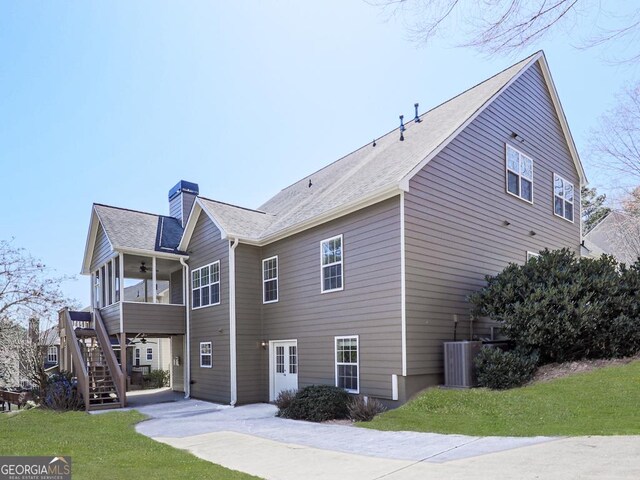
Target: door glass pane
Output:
{"points": [[279, 359], [293, 359]]}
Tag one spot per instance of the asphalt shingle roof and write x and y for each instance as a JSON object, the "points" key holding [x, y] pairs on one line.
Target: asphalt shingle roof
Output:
{"points": [[139, 230]]}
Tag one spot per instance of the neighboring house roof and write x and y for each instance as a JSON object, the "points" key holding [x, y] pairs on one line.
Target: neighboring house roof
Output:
{"points": [[371, 173], [133, 231], [617, 234], [135, 293], [51, 336]]}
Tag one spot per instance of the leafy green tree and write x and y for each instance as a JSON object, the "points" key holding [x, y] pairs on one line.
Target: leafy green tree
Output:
{"points": [[593, 208]]}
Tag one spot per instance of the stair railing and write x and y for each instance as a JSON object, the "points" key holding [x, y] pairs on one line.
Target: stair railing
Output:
{"points": [[110, 357], [76, 355]]}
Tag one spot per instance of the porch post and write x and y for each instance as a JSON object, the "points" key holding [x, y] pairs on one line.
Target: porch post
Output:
{"points": [[121, 272], [113, 280], [153, 279], [92, 279], [123, 359]]}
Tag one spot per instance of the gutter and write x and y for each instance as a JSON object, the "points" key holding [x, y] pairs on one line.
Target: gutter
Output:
{"points": [[232, 322], [187, 356]]}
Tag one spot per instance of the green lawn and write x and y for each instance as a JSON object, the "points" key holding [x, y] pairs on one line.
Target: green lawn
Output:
{"points": [[601, 402], [102, 446]]}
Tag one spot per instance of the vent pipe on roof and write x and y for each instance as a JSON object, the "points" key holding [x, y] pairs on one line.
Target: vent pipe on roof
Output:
{"points": [[402, 128], [417, 118], [374, 142]]}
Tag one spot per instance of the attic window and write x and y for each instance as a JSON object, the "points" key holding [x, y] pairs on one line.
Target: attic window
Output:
{"points": [[562, 197], [519, 174]]}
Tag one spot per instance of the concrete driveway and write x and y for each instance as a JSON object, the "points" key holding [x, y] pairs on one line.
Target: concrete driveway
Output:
{"points": [[251, 439]]}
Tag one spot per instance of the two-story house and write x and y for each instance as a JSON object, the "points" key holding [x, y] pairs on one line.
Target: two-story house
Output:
{"points": [[352, 276]]}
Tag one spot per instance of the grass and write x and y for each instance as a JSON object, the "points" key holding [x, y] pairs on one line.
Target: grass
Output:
{"points": [[103, 446], [601, 402]]}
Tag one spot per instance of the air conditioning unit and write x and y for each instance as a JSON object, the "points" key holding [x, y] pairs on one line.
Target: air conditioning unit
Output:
{"points": [[459, 367]]}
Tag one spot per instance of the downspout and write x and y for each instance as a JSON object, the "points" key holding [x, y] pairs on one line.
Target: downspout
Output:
{"points": [[187, 355], [232, 322]]}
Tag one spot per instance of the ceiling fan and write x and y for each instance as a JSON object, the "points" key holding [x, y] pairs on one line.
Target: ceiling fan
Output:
{"points": [[141, 340], [145, 269]]}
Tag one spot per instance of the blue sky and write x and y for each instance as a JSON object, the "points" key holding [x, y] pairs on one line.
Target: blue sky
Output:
{"points": [[114, 102]]}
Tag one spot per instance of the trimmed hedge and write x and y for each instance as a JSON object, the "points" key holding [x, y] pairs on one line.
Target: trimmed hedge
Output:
{"points": [[317, 403], [499, 370]]}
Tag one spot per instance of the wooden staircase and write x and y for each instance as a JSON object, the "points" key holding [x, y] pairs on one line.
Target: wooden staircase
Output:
{"points": [[94, 363]]}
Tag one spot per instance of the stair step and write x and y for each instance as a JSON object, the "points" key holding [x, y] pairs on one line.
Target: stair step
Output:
{"points": [[105, 406]]}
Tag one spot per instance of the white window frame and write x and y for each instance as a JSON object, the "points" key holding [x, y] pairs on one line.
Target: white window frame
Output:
{"points": [[137, 355], [573, 201], [210, 354], [264, 281], [52, 358], [323, 266], [210, 284], [149, 353], [357, 363], [507, 170], [531, 255]]}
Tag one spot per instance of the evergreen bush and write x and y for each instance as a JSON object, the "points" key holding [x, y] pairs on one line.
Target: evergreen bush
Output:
{"points": [[318, 403], [499, 370]]}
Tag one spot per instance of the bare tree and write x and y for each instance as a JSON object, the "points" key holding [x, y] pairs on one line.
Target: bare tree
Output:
{"points": [[30, 298], [615, 143], [503, 26]]}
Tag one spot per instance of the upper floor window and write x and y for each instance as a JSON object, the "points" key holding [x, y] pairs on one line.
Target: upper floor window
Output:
{"points": [[270, 280], [563, 197], [205, 285], [531, 255], [519, 174], [331, 263], [149, 353], [52, 354]]}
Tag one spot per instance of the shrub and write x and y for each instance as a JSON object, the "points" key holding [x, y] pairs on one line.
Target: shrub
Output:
{"points": [[284, 399], [564, 307], [318, 403], [61, 393], [157, 379], [363, 409], [499, 370]]}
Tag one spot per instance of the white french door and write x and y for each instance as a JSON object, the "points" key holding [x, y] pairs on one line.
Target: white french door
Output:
{"points": [[284, 366]]}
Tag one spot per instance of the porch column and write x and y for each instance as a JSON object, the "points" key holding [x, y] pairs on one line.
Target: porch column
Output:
{"points": [[123, 359], [154, 279], [92, 279], [113, 280]]}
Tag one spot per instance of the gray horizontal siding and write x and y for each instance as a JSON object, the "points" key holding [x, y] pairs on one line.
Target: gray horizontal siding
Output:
{"points": [[369, 305], [176, 287], [153, 319], [456, 208], [252, 358], [210, 324], [111, 318], [101, 250]]}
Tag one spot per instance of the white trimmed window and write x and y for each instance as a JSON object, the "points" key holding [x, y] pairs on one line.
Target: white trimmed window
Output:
{"points": [[206, 359], [149, 353], [270, 280], [52, 354], [519, 174], [563, 195], [137, 356], [331, 256], [347, 364], [205, 285], [531, 255]]}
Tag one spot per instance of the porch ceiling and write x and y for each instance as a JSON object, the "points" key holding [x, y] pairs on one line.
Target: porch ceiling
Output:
{"points": [[164, 267]]}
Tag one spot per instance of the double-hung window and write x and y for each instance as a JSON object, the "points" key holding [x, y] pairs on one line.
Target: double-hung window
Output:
{"points": [[205, 285], [331, 257], [270, 280], [149, 353], [206, 354], [52, 354], [519, 174], [563, 195], [347, 364]]}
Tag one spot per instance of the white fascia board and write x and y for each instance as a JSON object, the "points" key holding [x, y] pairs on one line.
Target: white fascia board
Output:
{"points": [[150, 253], [90, 244], [563, 120], [404, 182], [328, 216], [190, 226]]}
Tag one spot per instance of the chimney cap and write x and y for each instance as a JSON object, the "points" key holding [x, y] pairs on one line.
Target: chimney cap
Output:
{"points": [[183, 186]]}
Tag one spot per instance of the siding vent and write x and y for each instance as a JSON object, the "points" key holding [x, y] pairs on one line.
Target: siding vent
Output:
{"points": [[517, 137], [417, 118]]}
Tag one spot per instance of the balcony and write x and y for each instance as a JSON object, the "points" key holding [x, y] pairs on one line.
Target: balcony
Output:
{"points": [[152, 319]]}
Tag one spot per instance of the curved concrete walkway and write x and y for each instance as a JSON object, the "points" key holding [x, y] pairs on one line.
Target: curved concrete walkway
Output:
{"points": [[251, 439]]}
